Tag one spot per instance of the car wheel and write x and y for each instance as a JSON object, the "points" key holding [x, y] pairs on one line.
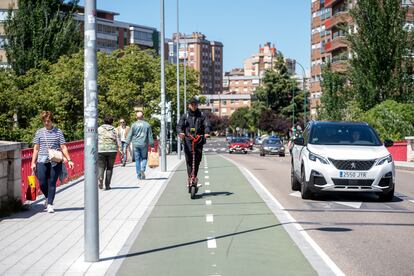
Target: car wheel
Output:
{"points": [[386, 196], [294, 182], [304, 188], [245, 152], [230, 152], [261, 154], [282, 155]]}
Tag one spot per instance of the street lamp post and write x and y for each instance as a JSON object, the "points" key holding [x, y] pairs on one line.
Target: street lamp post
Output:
{"points": [[178, 81], [185, 75], [91, 214], [304, 91], [163, 130]]}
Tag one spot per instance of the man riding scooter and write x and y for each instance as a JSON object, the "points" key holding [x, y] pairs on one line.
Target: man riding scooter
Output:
{"points": [[193, 128]]}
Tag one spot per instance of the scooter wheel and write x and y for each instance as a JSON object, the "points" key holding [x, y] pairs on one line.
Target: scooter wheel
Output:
{"points": [[193, 191]]}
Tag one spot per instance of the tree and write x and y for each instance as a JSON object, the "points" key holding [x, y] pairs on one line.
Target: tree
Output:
{"points": [[278, 87], [127, 78], [269, 121], [40, 30], [333, 98], [381, 64], [239, 118], [218, 124]]}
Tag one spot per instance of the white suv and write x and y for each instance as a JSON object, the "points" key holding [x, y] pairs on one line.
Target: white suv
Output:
{"points": [[342, 157]]}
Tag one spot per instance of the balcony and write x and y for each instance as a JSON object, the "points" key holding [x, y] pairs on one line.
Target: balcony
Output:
{"points": [[338, 18], [330, 3], [337, 43]]}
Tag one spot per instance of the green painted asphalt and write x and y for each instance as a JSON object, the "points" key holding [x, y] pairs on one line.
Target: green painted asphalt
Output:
{"points": [[249, 238]]}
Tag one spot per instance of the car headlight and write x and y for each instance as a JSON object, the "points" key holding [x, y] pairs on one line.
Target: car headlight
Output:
{"points": [[321, 159], [282, 148], [266, 148], [387, 159]]}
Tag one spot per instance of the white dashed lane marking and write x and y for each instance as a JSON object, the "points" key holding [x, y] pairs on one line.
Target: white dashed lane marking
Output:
{"points": [[207, 184], [208, 191], [211, 242], [209, 218], [206, 177], [208, 202]]}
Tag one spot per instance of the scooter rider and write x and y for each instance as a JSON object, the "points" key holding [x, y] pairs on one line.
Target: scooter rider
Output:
{"points": [[191, 124]]}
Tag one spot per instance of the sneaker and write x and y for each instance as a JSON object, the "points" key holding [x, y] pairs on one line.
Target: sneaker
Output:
{"points": [[142, 175], [45, 204], [50, 208]]}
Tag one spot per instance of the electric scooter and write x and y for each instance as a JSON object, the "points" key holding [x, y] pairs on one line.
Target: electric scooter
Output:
{"points": [[193, 186]]}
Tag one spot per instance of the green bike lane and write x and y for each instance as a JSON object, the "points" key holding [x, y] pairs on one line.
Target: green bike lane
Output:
{"points": [[227, 230]]}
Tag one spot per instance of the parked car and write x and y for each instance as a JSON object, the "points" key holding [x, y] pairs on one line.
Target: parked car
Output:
{"points": [[342, 157], [238, 145], [272, 146]]}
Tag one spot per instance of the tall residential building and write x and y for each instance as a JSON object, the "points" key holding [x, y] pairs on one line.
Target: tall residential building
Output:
{"points": [[202, 55], [258, 63], [328, 40]]}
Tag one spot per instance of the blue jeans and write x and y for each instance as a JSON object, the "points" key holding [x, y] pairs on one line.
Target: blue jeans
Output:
{"points": [[124, 152], [48, 175], [141, 156]]}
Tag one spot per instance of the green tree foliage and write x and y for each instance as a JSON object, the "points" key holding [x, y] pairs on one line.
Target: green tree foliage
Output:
{"points": [[381, 64], [270, 121], [278, 87], [239, 118], [333, 100], [40, 30], [392, 120], [126, 79]]}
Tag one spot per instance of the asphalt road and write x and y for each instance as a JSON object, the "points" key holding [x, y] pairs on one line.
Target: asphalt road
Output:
{"points": [[361, 235]]}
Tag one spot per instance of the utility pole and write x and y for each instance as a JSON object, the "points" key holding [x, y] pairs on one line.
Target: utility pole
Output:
{"points": [[163, 129], [178, 80], [185, 76], [91, 215]]}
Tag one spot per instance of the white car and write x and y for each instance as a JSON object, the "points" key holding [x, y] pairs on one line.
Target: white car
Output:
{"points": [[342, 157]]}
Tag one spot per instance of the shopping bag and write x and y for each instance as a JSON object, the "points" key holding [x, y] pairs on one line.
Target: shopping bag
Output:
{"points": [[153, 159], [31, 192]]}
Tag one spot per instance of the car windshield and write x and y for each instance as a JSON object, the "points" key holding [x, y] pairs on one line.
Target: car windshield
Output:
{"points": [[344, 134], [238, 140], [273, 142]]}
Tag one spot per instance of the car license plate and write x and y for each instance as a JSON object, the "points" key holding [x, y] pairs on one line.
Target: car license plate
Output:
{"points": [[348, 174]]}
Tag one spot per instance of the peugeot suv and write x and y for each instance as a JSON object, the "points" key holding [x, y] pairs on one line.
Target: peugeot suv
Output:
{"points": [[342, 157]]}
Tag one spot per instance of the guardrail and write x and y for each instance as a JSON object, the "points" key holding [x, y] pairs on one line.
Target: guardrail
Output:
{"points": [[76, 151]]}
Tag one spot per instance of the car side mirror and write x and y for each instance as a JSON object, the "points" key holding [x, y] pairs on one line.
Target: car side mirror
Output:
{"points": [[299, 141], [388, 143]]}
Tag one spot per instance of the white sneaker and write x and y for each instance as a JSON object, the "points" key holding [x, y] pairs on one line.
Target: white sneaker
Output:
{"points": [[50, 208]]}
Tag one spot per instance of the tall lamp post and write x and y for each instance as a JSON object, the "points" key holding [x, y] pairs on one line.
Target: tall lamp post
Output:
{"points": [[304, 91], [178, 81], [91, 214], [185, 75], [162, 104]]}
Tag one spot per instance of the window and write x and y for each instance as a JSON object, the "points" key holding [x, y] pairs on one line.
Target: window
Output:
{"points": [[3, 14], [140, 35]]}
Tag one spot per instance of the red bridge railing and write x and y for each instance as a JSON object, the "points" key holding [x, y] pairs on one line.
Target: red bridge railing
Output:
{"points": [[76, 151]]}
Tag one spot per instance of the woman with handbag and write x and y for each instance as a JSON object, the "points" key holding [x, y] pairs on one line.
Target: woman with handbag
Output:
{"points": [[48, 153]]}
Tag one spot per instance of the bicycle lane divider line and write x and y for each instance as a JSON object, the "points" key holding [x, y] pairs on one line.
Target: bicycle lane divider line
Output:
{"points": [[322, 263]]}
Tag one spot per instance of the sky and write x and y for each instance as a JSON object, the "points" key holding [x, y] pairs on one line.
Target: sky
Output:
{"points": [[241, 25]]}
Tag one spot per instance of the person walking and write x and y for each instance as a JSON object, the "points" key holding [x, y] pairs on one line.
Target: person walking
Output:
{"points": [[193, 123], [49, 138], [123, 131], [140, 135], [108, 145]]}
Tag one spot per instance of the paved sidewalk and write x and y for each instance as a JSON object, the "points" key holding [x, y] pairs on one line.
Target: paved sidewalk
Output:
{"points": [[38, 243], [408, 166]]}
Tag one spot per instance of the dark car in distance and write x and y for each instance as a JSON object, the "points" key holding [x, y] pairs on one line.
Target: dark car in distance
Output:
{"points": [[272, 146]]}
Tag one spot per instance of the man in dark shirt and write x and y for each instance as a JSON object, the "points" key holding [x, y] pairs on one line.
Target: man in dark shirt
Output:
{"points": [[192, 124]]}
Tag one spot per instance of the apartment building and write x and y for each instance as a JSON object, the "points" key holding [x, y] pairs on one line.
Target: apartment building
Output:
{"points": [[328, 40], [110, 33], [202, 55], [4, 8], [225, 105], [240, 84]]}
